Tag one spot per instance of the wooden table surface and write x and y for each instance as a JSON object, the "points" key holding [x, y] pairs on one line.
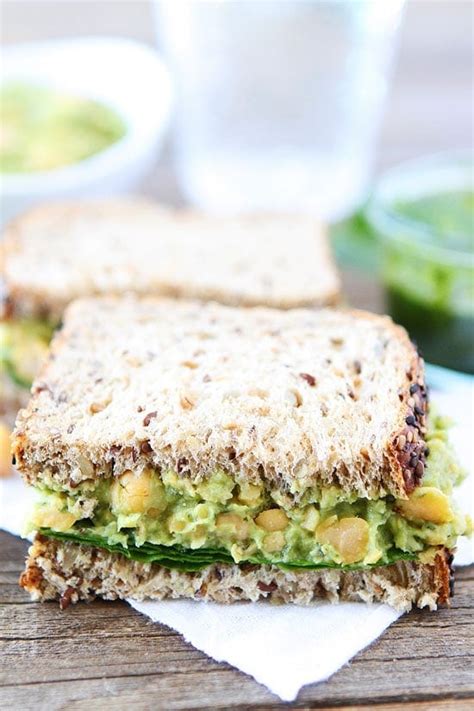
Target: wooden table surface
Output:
{"points": [[106, 655]]}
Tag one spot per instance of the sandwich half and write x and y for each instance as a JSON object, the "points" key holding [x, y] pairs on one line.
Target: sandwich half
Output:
{"points": [[56, 253], [182, 449]]}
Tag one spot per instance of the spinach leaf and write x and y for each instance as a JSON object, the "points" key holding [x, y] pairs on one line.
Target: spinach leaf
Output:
{"points": [[188, 560]]}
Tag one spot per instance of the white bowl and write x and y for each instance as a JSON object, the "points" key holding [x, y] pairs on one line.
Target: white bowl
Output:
{"points": [[125, 75]]}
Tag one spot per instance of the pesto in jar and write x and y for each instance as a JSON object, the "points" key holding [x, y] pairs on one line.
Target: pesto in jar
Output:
{"points": [[449, 217], [429, 275], [42, 129]]}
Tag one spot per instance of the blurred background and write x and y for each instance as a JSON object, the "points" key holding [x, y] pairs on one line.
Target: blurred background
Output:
{"points": [[429, 103], [310, 106]]}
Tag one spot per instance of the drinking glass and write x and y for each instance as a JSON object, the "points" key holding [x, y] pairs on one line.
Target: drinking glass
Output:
{"points": [[278, 101]]}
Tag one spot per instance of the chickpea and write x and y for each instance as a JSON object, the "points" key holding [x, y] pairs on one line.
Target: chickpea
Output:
{"points": [[137, 493], [202, 511], [198, 537], [233, 523], [250, 494], [310, 519], [176, 524], [5, 456], [428, 504], [272, 520], [56, 520], [349, 537], [274, 542]]}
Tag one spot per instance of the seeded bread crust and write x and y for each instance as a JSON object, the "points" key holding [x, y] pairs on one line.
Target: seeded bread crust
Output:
{"points": [[58, 252], [286, 399], [69, 572]]}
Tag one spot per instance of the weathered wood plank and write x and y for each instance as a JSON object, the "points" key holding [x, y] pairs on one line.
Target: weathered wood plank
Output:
{"points": [[217, 689], [108, 654], [438, 705], [171, 691]]}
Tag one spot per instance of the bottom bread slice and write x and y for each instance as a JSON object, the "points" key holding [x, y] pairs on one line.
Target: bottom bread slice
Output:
{"points": [[71, 572]]}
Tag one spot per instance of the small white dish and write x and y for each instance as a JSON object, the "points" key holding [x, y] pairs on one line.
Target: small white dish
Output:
{"points": [[127, 76]]}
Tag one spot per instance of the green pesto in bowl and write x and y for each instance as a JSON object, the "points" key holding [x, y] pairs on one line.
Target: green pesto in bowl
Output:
{"points": [[42, 129], [423, 216]]}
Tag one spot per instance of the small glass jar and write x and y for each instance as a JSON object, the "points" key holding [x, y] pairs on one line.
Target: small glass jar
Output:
{"points": [[423, 214]]}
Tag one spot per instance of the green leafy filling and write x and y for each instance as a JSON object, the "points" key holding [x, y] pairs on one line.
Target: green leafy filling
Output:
{"points": [[168, 520], [189, 560]]}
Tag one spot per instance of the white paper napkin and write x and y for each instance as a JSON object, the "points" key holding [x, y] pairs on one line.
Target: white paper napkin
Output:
{"points": [[286, 647]]}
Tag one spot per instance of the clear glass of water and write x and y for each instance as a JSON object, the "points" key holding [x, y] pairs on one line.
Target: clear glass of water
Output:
{"points": [[278, 101]]}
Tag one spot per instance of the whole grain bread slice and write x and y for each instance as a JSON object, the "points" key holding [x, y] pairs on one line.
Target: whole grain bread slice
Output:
{"points": [[70, 572], [290, 399], [58, 252]]}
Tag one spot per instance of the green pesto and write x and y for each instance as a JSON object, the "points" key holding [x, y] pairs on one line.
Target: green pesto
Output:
{"points": [[443, 335], [180, 516], [43, 129], [431, 292], [448, 215]]}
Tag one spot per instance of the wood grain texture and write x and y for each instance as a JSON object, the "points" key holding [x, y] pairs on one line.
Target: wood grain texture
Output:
{"points": [[107, 655]]}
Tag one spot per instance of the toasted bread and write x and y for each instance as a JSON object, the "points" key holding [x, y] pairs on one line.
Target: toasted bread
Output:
{"points": [[71, 572], [286, 399], [56, 253]]}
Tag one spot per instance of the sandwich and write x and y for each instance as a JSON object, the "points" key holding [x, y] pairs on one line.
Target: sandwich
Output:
{"points": [[56, 253], [181, 449]]}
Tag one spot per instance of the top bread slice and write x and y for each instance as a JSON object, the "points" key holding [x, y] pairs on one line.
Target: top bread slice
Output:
{"points": [[56, 253], [291, 399]]}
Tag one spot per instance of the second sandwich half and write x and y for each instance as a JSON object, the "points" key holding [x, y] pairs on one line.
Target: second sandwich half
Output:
{"points": [[181, 449]]}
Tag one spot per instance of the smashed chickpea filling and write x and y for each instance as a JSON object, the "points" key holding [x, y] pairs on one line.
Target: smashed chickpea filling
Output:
{"points": [[251, 524], [24, 345]]}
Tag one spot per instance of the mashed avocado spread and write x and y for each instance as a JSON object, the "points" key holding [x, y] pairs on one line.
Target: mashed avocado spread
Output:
{"points": [[167, 519], [23, 345], [41, 129]]}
